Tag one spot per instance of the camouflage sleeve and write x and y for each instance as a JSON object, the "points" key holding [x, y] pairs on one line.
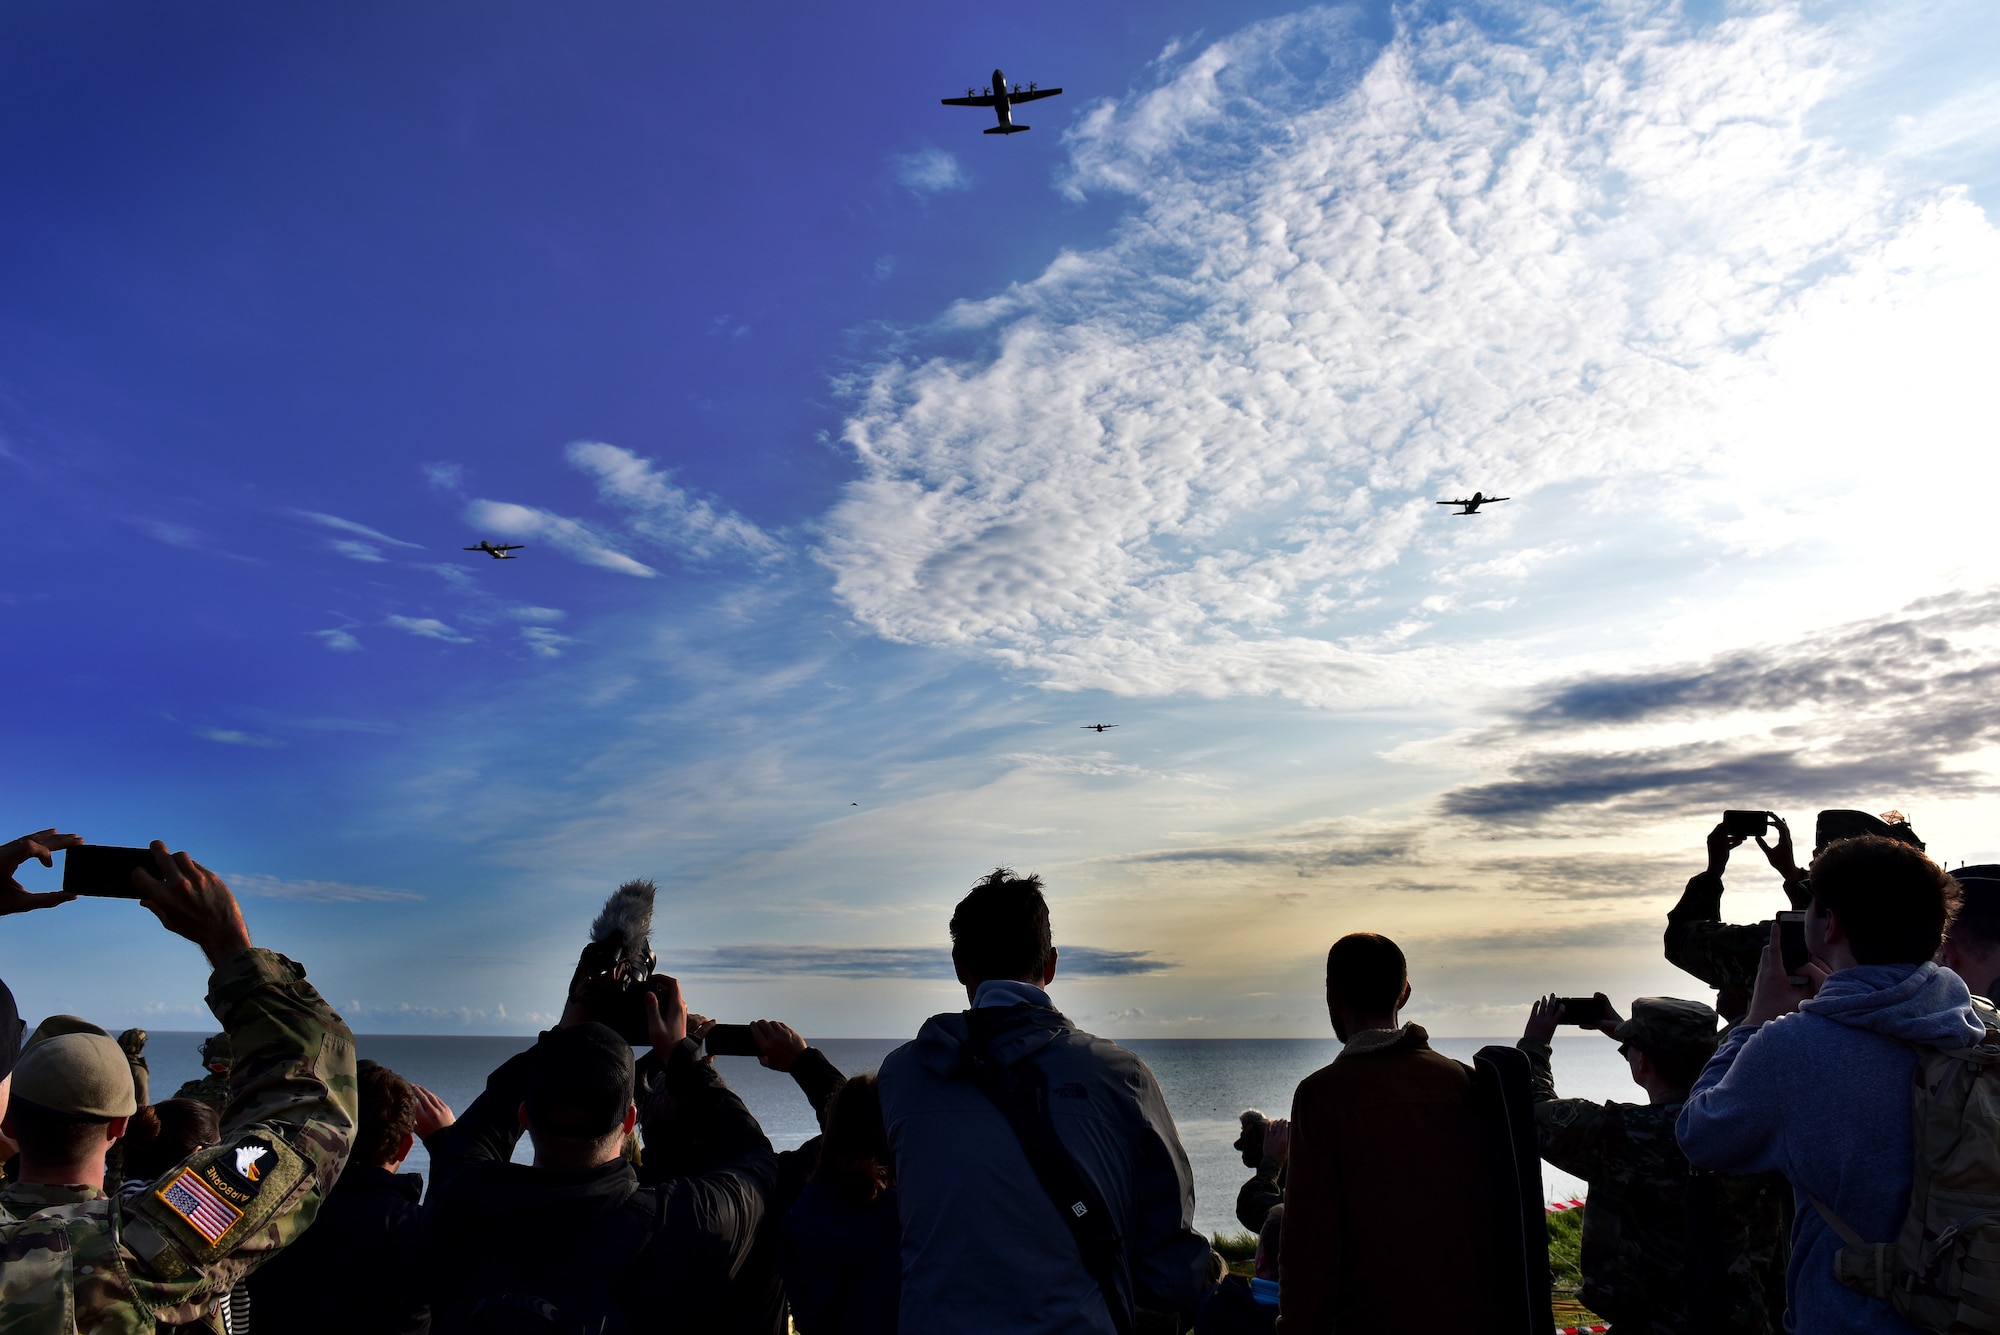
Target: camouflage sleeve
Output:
{"points": [[292, 1107], [1572, 1133], [1697, 940]]}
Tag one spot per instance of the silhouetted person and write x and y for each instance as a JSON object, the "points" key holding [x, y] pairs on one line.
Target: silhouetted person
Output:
{"points": [[1971, 946], [1239, 1306], [842, 1253], [1388, 1202]]}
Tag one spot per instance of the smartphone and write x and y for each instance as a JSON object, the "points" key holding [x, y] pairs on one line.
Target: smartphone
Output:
{"points": [[1792, 944], [105, 870], [1749, 824], [1584, 1012], [730, 1040]]}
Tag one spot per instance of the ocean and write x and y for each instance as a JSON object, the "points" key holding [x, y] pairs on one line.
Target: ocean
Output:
{"points": [[1207, 1081]]}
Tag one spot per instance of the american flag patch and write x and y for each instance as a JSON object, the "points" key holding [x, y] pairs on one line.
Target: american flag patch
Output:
{"points": [[192, 1199]]}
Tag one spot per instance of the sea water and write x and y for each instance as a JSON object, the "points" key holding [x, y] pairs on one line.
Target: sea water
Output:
{"points": [[1207, 1083]]}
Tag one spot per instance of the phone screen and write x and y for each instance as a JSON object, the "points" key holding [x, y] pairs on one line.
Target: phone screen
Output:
{"points": [[1749, 824], [105, 870], [730, 1040], [1584, 1012], [1792, 943]]}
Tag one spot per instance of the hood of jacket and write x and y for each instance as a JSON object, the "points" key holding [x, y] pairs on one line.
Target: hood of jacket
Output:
{"points": [[1916, 1003], [1020, 1031]]}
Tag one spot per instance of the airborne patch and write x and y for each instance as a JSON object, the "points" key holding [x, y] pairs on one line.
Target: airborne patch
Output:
{"points": [[192, 1199]]}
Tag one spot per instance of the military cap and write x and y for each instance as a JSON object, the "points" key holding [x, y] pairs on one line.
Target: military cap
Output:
{"points": [[62, 1024], [215, 1048], [1668, 1024], [10, 1031], [1841, 824], [79, 1074]]}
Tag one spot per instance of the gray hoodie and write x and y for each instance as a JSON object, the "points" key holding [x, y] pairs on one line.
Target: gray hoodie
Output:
{"points": [[1823, 1096], [984, 1248]]}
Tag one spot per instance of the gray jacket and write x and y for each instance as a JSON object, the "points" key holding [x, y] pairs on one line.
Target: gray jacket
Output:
{"points": [[984, 1248]]}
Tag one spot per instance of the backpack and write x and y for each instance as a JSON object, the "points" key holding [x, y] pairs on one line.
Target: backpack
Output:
{"points": [[1942, 1273]]}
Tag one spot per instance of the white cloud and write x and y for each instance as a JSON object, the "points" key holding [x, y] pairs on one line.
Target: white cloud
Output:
{"points": [[234, 737], [1602, 265], [444, 476], [930, 170], [340, 641], [537, 613], [543, 642], [313, 892], [665, 513], [362, 530], [568, 536], [429, 628]]}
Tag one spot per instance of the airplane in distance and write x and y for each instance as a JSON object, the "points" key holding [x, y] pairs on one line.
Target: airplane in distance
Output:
{"points": [[1002, 99], [1479, 498], [1097, 728], [501, 553]]}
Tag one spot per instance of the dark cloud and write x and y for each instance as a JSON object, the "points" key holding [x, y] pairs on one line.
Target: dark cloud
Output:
{"points": [[1870, 714], [1305, 858], [1591, 875], [932, 962]]}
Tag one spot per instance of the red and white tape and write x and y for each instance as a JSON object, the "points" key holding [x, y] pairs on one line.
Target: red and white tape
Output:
{"points": [[1580, 1330], [1557, 1207]]}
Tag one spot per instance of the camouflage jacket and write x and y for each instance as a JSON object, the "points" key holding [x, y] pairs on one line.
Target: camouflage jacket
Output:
{"points": [[211, 1089], [1723, 955], [1636, 1221], [72, 1260]]}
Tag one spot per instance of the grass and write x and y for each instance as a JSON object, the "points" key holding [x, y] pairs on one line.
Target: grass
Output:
{"points": [[1237, 1246]]}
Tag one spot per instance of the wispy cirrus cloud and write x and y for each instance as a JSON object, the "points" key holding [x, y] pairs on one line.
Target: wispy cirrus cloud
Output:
{"points": [[314, 892], [365, 544], [899, 962], [428, 628], [572, 537], [929, 171], [237, 737], [668, 515]]}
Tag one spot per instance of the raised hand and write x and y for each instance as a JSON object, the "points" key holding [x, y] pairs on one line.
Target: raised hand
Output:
{"points": [[1543, 1017], [666, 1014], [191, 901], [433, 1113], [1780, 854], [778, 1044], [17, 898], [1720, 842]]}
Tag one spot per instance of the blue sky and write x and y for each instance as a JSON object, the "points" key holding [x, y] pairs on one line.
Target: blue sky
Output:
{"points": [[861, 457]]}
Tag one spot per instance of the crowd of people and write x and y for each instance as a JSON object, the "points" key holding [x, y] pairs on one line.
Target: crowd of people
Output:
{"points": [[1817, 1151]]}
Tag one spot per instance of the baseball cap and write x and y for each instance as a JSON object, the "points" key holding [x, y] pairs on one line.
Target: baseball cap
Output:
{"points": [[1668, 1024], [580, 1081], [77, 1074]]}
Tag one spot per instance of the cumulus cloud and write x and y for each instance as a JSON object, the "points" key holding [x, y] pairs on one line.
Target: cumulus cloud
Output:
{"points": [[930, 170], [1598, 262], [571, 537], [1873, 713], [429, 628], [899, 962], [314, 892], [664, 513]]}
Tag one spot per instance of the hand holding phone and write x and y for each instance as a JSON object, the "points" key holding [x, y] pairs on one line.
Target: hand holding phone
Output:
{"points": [[1746, 824], [1792, 945], [1583, 1012], [104, 871], [730, 1040], [41, 845]]}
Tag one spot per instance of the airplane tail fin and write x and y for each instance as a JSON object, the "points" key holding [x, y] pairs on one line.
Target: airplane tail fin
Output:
{"points": [[1009, 129]]}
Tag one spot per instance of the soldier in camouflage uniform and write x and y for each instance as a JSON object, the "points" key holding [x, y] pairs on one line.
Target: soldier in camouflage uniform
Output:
{"points": [[1643, 1208], [213, 1088], [133, 1044], [77, 1261]]}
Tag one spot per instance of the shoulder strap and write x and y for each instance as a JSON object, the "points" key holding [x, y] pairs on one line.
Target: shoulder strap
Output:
{"points": [[1021, 1094]]}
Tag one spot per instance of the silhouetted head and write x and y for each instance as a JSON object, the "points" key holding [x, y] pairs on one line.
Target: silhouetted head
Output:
{"points": [[1892, 902], [388, 1116], [579, 1103], [1367, 978], [1972, 940], [1001, 930], [854, 1153], [164, 1133]]}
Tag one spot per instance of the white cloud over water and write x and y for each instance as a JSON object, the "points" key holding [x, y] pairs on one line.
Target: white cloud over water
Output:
{"points": [[1602, 263]]}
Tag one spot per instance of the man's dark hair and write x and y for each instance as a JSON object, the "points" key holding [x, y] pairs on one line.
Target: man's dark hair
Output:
{"points": [[1978, 916], [1367, 971], [1001, 929], [388, 1113], [1680, 1067], [1893, 901], [579, 1083], [162, 1134], [51, 1136]]}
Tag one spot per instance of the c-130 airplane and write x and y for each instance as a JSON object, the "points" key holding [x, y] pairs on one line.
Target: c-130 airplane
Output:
{"points": [[1001, 98]]}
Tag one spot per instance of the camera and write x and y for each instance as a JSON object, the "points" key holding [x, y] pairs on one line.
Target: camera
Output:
{"points": [[615, 971]]}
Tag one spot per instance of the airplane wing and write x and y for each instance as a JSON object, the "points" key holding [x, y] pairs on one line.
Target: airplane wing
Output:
{"points": [[966, 101], [1032, 94], [1458, 502], [1490, 499], [473, 549], [508, 547]]}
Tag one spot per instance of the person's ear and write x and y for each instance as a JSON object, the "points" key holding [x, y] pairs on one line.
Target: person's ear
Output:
{"points": [[1834, 931], [1404, 999], [115, 1129], [1049, 975], [965, 979], [631, 1118], [409, 1143]]}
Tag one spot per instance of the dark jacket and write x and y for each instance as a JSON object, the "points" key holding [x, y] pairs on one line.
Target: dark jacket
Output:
{"points": [[597, 1240], [1723, 955], [358, 1270], [1388, 1204], [1255, 1197], [984, 1248], [842, 1263], [1239, 1306]]}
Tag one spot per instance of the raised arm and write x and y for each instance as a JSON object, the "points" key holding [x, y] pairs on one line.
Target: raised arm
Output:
{"points": [[291, 1114]]}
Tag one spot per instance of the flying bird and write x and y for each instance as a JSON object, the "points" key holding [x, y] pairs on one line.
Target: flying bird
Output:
{"points": [[1002, 99], [1096, 727], [1479, 498], [500, 553]]}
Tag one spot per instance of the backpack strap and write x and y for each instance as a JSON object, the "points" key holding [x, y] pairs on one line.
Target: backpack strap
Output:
{"points": [[1021, 1093], [1869, 1267]]}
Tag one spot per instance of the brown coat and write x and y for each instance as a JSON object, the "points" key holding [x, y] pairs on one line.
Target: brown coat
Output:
{"points": [[1387, 1207]]}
